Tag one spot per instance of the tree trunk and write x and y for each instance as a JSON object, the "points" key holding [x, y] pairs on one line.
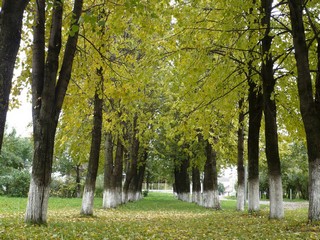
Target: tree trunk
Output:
{"points": [[112, 195], [129, 193], [141, 171], [241, 196], [11, 15], [309, 106], [196, 185], [47, 99], [135, 186], [182, 181], [78, 181], [255, 115], [210, 180], [90, 184], [270, 114]]}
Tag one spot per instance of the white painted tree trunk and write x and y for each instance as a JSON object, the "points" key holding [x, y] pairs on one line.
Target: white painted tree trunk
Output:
{"points": [[112, 198], [241, 197], [136, 196], [87, 201], [131, 196], [196, 197], [124, 197], [184, 197], [276, 197], [314, 194], [37, 205], [210, 199], [253, 195]]}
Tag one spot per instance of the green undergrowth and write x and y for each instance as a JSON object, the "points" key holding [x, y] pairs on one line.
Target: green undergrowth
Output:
{"points": [[158, 216]]}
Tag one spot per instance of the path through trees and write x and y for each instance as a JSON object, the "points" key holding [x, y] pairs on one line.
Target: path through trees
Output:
{"points": [[173, 75]]}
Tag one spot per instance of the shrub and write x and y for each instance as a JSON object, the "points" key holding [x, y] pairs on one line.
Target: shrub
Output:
{"points": [[15, 184], [62, 188], [145, 193]]}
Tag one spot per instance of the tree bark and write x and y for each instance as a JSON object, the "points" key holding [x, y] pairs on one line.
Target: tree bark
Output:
{"points": [[11, 16], [309, 106], [270, 114], [129, 193], [90, 184], [78, 181], [47, 99], [196, 185], [182, 181], [255, 115], [210, 180], [112, 195], [141, 171], [135, 186], [241, 196]]}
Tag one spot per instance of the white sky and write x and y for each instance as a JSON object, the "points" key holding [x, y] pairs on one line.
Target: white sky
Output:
{"points": [[21, 118]]}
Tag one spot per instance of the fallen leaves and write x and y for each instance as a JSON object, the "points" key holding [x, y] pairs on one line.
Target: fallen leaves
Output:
{"points": [[156, 217]]}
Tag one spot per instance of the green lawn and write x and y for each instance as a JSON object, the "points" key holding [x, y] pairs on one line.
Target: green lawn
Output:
{"points": [[158, 216]]}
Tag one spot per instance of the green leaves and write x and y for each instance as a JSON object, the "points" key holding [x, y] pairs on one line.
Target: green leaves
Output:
{"points": [[74, 29]]}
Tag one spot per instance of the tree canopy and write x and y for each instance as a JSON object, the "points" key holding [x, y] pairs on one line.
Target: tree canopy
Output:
{"points": [[173, 73]]}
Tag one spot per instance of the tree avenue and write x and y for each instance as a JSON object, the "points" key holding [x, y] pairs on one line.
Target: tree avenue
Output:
{"points": [[188, 87]]}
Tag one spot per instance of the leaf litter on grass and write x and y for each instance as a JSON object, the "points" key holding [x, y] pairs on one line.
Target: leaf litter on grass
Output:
{"points": [[158, 217]]}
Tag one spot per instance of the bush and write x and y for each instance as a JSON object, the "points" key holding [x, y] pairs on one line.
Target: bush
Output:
{"points": [[63, 189], [145, 193], [16, 184]]}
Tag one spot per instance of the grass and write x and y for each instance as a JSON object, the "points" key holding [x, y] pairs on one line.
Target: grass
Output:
{"points": [[158, 216]]}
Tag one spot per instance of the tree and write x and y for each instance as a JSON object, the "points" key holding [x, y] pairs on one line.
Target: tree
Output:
{"points": [[196, 185], [241, 194], [48, 92], [255, 115], [182, 180], [130, 192], [11, 15], [309, 99], [93, 164], [113, 169], [70, 168], [270, 115], [210, 179], [295, 169]]}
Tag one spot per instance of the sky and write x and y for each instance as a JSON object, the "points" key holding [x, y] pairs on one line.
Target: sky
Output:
{"points": [[21, 118]]}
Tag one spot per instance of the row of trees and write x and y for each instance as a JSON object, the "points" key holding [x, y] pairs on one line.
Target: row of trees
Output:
{"points": [[69, 175], [185, 74]]}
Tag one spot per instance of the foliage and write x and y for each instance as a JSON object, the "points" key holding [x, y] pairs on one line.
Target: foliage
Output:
{"points": [[221, 188], [69, 171], [64, 188], [159, 216], [180, 67], [295, 171], [15, 184], [15, 163], [16, 153]]}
